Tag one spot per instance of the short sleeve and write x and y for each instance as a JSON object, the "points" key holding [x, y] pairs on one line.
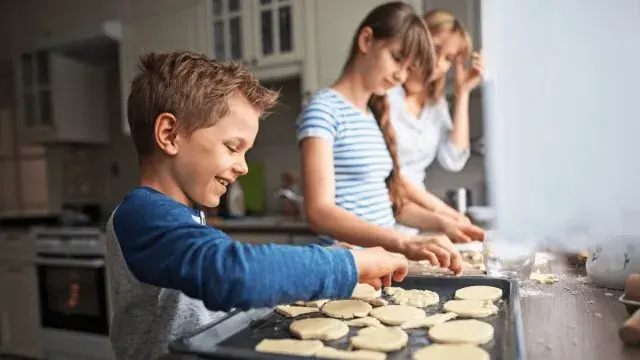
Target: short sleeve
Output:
{"points": [[317, 120]]}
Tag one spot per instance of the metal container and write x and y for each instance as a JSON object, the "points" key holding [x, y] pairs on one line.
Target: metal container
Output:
{"points": [[459, 199]]}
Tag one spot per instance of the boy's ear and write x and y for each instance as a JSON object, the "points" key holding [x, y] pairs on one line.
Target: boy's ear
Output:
{"points": [[165, 131]]}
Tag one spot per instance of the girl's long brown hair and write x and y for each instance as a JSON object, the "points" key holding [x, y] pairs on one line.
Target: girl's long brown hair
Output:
{"points": [[396, 21]]}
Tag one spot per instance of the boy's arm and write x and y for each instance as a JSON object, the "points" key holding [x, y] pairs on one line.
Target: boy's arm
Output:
{"points": [[171, 251]]}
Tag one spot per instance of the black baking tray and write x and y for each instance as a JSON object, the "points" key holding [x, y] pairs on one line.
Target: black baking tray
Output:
{"points": [[236, 335]]}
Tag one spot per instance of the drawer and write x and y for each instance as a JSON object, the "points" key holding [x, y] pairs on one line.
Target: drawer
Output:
{"points": [[16, 245]]}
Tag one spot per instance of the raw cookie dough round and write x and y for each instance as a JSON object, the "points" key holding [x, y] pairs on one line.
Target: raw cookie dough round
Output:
{"points": [[331, 353], [319, 329], [386, 339], [289, 346], [346, 309], [479, 293], [451, 352], [412, 297], [397, 314], [471, 308], [365, 291], [462, 332]]}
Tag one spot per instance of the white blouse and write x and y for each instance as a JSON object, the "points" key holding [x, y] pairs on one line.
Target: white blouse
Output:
{"points": [[422, 139]]}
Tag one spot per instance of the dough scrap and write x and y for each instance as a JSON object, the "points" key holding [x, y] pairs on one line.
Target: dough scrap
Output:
{"points": [[412, 297], [364, 322], [429, 321], [293, 311], [543, 278], [289, 346], [462, 332], [471, 308], [331, 353], [385, 339], [451, 352], [376, 302], [346, 309], [313, 303], [479, 293], [365, 291], [397, 314], [319, 329]]}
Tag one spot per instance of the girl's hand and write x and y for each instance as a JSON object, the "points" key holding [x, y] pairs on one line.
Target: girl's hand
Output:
{"points": [[469, 79], [437, 249]]}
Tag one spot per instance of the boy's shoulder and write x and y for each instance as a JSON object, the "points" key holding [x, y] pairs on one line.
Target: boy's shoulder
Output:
{"points": [[144, 205]]}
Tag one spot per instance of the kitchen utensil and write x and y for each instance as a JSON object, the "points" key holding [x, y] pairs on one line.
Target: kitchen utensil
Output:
{"points": [[459, 199], [236, 335]]}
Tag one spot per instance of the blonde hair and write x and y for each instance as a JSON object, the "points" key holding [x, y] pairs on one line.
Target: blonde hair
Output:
{"points": [[439, 21]]}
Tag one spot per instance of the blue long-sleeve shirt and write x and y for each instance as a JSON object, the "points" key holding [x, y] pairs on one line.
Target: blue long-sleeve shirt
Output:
{"points": [[168, 270]]}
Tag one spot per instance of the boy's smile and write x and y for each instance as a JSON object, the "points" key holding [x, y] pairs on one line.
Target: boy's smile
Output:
{"points": [[212, 158]]}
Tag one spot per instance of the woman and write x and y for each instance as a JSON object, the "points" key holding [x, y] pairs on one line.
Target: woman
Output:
{"points": [[347, 154], [420, 112]]}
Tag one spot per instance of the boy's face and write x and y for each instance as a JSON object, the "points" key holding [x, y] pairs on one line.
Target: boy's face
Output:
{"points": [[212, 158]]}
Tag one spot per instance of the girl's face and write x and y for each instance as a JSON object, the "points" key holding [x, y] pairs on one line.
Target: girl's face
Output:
{"points": [[448, 45], [382, 63]]}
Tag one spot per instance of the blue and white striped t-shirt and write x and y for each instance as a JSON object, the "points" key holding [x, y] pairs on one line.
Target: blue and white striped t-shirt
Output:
{"points": [[361, 158]]}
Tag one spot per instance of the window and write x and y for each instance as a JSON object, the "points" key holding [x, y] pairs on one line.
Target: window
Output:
{"points": [[23, 172]]}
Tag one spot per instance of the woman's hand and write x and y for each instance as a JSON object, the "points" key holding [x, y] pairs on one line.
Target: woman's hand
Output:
{"points": [[462, 231], [469, 79]]}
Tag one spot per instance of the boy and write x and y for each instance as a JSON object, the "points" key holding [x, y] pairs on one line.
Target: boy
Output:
{"points": [[192, 120]]}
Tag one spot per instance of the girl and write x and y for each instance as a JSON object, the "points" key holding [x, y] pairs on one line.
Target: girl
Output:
{"points": [[420, 113], [348, 154]]}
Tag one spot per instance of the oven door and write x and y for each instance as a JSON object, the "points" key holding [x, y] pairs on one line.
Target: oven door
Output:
{"points": [[73, 293]]}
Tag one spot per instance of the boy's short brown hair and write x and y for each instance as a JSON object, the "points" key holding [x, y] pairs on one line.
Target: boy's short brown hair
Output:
{"points": [[192, 87]]}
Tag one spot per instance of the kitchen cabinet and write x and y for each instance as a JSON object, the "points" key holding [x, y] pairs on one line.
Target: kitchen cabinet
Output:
{"points": [[19, 315], [60, 99], [183, 29], [266, 34]]}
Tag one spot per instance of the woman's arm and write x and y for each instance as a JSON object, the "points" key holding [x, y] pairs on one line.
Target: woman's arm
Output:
{"points": [[431, 202]]}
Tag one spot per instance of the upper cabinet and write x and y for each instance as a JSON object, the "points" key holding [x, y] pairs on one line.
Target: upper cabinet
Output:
{"points": [[181, 29], [60, 99], [266, 34]]}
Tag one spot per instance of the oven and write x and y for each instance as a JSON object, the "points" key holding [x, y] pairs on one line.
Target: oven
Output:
{"points": [[73, 291]]}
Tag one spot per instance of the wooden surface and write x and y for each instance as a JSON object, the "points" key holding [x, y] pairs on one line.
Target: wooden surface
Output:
{"points": [[573, 319], [570, 319]]}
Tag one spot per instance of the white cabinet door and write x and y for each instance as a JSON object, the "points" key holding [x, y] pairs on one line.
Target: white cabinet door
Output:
{"points": [[278, 31], [230, 27], [184, 29], [19, 311]]}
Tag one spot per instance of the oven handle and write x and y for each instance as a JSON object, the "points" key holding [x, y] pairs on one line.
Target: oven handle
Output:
{"points": [[88, 263]]}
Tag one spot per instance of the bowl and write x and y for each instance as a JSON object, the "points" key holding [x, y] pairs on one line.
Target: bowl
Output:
{"points": [[610, 263]]}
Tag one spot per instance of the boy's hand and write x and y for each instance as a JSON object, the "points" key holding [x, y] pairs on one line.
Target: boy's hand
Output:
{"points": [[378, 267], [437, 249]]}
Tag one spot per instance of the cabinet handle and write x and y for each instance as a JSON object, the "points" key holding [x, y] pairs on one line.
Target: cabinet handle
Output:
{"points": [[254, 61]]}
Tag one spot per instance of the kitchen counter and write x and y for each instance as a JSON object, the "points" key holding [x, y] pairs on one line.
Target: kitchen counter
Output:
{"points": [[570, 319], [261, 224]]}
